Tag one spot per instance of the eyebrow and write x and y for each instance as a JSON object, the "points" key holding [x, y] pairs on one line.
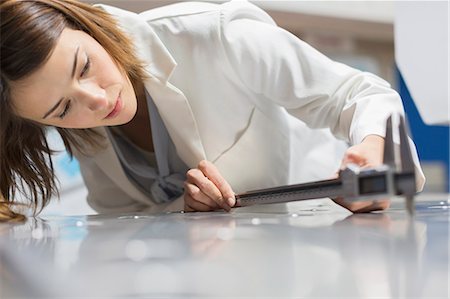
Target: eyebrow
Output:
{"points": [[74, 67]]}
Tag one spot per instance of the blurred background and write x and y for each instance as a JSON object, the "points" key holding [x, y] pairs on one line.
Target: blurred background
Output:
{"points": [[357, 33]]}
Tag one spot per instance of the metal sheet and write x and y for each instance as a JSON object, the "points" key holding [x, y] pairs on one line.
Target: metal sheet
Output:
{"points": [[305, 249]]}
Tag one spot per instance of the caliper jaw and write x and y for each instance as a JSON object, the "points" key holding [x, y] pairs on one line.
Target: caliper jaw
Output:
{"points": [[395, 177]]}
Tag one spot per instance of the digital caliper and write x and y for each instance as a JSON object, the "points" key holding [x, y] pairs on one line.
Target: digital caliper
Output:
{"points": [[396, 176]]}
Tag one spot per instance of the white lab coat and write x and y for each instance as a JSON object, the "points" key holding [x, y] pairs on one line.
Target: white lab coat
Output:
{"points": [[237, 90]]}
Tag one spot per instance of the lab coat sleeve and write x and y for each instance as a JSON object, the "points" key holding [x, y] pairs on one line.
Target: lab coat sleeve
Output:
{"points": [[321, 92], [280, 67]]}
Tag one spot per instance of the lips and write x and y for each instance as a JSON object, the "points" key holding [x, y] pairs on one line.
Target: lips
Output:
{"points": [[116, 110]]}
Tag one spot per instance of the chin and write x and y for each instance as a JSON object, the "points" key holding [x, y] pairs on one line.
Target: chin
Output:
{"points": [[128, 116]]}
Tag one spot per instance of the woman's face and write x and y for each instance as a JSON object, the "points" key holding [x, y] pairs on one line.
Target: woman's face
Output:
{"points": [[79, 86]]}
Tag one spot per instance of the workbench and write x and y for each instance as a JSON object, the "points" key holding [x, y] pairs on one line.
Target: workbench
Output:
{"points": [[309, 249]]}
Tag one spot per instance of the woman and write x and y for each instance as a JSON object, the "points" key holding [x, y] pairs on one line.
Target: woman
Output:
{"points": [[177, 107]]}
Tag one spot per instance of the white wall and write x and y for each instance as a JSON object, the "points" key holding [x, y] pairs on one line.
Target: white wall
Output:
{"points": [[376, 11]]}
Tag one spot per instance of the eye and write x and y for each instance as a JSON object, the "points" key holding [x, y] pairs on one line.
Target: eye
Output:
{"points": [[66, 110], [86, 67]]}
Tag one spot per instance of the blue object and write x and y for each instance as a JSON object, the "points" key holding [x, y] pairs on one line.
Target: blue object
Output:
{"points": [[70, 167], [432, 141]]}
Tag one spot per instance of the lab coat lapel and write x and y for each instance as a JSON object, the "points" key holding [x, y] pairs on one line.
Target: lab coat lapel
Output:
{"points": [[177, 116], [108, 161]]}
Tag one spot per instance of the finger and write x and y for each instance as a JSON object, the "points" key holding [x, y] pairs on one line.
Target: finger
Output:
{"points": [[196, 177], [196, 194], [363, 206], [187, 208], [192, 205], [211, 172], [354, 157]]}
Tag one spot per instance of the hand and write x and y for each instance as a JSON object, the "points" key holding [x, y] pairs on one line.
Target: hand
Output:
{"points": [[206, 190], [369, 153]]}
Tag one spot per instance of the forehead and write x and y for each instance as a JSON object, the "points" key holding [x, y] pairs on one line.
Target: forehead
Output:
{"points": [[59, 60], [43, 88]]}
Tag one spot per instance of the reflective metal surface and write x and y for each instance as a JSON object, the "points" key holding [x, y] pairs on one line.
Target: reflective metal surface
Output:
{"points": [[309, 249]]}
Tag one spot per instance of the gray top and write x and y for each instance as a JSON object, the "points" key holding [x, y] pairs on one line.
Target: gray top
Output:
{"points": [[160, 175]]}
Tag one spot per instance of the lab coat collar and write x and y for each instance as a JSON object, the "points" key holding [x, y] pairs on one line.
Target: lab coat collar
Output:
{"points": [[156, 58], [172, 104]]}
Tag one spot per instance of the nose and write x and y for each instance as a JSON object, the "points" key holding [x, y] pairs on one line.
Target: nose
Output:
{"points": [[93, 96]]}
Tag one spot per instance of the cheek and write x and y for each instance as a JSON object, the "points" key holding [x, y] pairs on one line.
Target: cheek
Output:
{"points": [[107, 77], [80, 120], [106, 70]]}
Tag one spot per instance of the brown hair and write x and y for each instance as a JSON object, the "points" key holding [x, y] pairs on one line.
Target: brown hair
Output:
{"points": [[29, 30]]}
